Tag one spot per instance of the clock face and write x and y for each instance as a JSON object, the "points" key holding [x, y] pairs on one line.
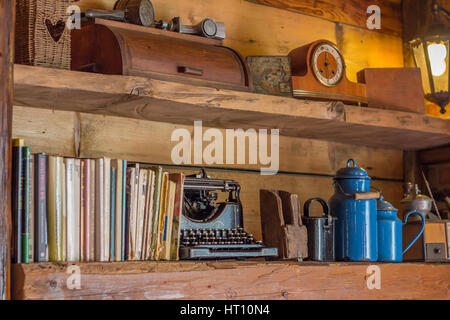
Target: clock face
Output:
{"points": [[327, 64]]}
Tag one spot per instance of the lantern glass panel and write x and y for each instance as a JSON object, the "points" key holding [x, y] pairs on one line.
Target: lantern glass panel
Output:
{"points": [[421, 62], [439, 62]]}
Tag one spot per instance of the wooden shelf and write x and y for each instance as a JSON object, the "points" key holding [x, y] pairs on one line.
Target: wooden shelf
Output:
{"points": [[143, 98], [230, 280]]}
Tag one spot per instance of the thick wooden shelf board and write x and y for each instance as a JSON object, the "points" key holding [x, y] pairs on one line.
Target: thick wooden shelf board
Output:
{"points": [[231, 280], [150, 99]]}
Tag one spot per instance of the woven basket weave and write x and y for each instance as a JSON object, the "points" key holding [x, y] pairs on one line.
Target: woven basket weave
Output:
{"points": [[41, 36]]}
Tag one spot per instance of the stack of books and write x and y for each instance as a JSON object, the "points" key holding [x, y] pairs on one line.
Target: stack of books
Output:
{"points": [[67, 209]]}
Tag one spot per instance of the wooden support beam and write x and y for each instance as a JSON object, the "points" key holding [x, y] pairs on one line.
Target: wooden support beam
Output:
{"points": [[7, 21], [232, 280], [436, 155], [348, 12], [162, 101]]}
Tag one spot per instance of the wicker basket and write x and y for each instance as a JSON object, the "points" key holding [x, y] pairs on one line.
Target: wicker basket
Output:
{"points": [[42, 38]]}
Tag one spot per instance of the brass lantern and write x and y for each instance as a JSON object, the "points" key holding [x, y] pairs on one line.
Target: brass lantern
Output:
{"points": [[431, 54]]}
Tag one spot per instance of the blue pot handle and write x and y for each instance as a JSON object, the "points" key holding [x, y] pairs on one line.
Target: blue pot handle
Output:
{"points": [[349, 161], [421, 229]]}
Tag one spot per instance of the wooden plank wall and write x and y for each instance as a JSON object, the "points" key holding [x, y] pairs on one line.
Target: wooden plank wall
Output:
{"points": [[306, 166], [7, 16]]}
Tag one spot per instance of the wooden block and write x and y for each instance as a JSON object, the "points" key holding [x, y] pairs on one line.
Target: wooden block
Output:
{"points": [[394, 89]]}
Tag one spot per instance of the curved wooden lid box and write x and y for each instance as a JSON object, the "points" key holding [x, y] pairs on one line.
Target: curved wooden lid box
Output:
{"points": [[112, 47]]}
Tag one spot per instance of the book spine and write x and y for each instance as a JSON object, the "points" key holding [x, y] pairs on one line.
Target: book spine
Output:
{"points": [[155, 220], [17, 195], [70, 209], [86, 208], [92, 208], [112, 244], [82, 211], [40, 199], [107, 207], [26, 204], [177, 211], [77, 207], [31, 238], [63, 206], [124, 209], [118, 213], [99, 211]]}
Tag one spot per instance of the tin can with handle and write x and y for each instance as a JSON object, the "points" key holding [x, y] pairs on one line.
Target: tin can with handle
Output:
{"points": [[320, 232], [390, 232]]}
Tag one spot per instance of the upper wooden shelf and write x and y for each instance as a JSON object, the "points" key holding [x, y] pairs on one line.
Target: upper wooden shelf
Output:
{"points": [[150, 99], [231, 280]]}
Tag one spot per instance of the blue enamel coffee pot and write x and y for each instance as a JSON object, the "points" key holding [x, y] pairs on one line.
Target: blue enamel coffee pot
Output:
{"points": [[390, 232], [356, 223]]}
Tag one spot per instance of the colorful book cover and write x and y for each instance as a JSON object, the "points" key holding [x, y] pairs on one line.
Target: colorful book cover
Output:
{"points": [[148, 215], [17, 199], [168, 218], [178, 178], [140, 216], [155, 218], [40, 204], [26, 157], [162, 214]]}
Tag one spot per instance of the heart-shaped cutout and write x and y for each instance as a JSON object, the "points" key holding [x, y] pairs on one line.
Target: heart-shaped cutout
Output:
{"points": [[55, 30]]}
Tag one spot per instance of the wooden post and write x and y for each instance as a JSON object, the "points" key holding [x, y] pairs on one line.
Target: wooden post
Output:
{"points": [[7, 22]]}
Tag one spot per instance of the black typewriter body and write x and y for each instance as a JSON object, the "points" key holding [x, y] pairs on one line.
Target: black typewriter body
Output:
{"points": [[214, 230]]}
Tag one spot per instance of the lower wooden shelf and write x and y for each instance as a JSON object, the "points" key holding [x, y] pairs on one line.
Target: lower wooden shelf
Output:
{"points": [[229, 280]]}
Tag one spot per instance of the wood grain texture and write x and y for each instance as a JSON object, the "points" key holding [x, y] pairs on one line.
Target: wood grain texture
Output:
{"points": [[7, 22], [343, 11], [256, 30], [49, 131], [156, 100], [231, 280]]}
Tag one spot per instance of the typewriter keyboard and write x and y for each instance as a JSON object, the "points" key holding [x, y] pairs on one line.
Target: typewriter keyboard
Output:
{"points": [[196, 237]]}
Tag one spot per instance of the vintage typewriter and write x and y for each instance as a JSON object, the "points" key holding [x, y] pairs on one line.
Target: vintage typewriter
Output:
{"points": [[212, 229]]}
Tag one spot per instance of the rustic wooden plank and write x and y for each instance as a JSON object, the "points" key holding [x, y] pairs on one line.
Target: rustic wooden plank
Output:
{"points": [[255, 30], [7, 21], [149, 141], [49, 131], [436, 155], [347, 12], [150, 99], [232, 280]]}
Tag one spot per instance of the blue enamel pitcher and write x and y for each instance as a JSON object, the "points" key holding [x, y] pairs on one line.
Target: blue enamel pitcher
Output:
{"points": [[356, 223], [390, 232]]}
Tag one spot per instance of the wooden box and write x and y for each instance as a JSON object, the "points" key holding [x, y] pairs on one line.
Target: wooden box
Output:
{"points": [[112, 47], [394, 89], [433, 244]]}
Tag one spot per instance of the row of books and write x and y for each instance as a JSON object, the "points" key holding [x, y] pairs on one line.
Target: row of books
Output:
{"points": [[67, 209]]}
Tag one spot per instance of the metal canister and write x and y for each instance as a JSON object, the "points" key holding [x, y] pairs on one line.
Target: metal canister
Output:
{"points": [[320, 232], [413, 200], [356, 224], [390, 232]]}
